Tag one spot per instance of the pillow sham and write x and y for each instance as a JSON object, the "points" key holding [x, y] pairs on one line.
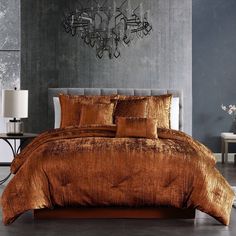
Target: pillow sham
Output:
{"points": [[174, 107], [131, 108], [136, 127], [57, 112], [97, 113], [70, 111], [71, 106], [159, 108], [174, 113], [91, 99]]}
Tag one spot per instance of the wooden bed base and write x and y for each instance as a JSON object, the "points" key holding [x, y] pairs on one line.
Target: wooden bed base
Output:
{"points": [[115, 213]]}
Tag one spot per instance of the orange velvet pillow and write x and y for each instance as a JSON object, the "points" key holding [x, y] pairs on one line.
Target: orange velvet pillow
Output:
{"points": [[70, 111], [130, 97], [159, 108], [91, 99], [136, 127], [97, 113], [71, 106], [131, 108]]}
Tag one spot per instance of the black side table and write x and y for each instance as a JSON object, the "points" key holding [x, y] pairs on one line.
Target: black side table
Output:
{"points": [[15, 150]]}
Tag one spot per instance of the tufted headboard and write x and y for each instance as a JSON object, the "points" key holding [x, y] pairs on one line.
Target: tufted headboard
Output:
{"points": [[53, 92]]}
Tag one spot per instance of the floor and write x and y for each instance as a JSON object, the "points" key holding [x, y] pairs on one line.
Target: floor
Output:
{"points": [[202, 225]]}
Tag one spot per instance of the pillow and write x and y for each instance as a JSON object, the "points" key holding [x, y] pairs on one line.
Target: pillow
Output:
{"points": [[70, 111], [174, 109], [91, 99], [71, 106], [97, 113], [57, 112], [136, 127], [159, 108], [131, 108], [174, 113], [130, 97]]}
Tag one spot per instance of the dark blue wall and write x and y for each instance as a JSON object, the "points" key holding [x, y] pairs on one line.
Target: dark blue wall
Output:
{"points": [[214, 68]]}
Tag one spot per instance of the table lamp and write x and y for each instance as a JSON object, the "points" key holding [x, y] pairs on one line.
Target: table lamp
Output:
{"points": [[15, 105]]}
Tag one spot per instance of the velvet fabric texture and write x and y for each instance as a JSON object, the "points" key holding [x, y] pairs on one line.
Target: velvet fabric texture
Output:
{"points": [[96, 114], [131, 108], [158, 107], [88, 166], [136, 127], [70, 111], [71, 106]]}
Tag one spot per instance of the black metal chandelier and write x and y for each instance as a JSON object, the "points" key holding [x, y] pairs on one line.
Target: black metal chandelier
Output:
{"points": [[107, 27]]}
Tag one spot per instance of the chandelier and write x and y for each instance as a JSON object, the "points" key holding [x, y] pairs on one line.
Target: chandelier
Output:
{"points": [[107, 27]]}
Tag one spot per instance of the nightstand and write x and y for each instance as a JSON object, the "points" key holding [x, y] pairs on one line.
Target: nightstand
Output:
{"points": [[226, 138], [24, 139]]}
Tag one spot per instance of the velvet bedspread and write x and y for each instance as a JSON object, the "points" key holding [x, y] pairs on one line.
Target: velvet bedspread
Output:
{"points": [[89, 166]]}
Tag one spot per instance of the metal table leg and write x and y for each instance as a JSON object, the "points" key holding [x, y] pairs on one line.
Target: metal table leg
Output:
{"points": [[222, 151], [226, 151], [15, 151]]}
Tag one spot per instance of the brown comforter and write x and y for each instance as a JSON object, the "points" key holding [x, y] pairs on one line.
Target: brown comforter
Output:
{"points": [[90, 167]]}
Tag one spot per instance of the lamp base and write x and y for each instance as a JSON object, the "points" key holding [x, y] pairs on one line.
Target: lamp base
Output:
{"points": [[15, 127]]}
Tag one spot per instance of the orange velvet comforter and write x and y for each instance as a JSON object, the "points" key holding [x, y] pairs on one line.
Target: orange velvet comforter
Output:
{"points": [[90, 167]]}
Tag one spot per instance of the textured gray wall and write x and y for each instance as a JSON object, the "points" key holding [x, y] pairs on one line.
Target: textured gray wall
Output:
{"points": [[52, 58], [214, 68], [9, 45], [9, 59]]}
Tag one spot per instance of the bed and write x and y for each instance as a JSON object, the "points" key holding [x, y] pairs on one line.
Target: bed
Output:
{"points": [[110, 169]]}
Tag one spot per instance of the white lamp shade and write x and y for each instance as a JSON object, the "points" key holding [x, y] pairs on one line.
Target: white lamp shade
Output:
{"points": [[15, 103]]}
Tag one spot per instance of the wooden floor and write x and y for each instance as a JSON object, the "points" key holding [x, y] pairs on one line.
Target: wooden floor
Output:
{"points": [[203, 225]]}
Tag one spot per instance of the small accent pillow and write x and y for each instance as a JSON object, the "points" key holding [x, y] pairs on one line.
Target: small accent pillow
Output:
{"points": [[136, 127], [131, 108], [97, 113], [71, 106]]}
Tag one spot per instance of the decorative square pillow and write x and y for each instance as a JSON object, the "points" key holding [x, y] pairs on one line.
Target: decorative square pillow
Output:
{"points": [[70, 111], [136, 127], [131, 108], [96, 113], [159, 108], [71, 106]]}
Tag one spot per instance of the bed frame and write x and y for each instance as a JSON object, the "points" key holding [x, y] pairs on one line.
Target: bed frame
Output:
{"points": [[113, 212]]}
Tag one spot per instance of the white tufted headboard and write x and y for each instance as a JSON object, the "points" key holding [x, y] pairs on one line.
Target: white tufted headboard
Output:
{"points": [[53, 92]]}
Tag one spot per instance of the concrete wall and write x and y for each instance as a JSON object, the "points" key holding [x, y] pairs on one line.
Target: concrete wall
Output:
{"points": [[214, 68], [9, 59], [52, 58]]}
